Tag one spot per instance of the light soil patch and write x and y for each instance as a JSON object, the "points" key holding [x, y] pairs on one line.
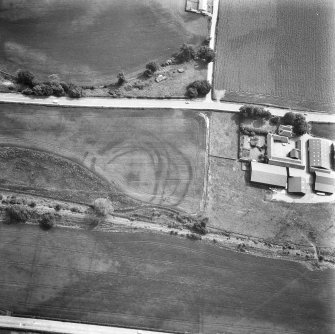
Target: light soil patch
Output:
{"points": [[153, 156]]}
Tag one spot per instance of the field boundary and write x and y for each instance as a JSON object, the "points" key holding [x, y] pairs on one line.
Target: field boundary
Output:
{"points": [[65, 327]]}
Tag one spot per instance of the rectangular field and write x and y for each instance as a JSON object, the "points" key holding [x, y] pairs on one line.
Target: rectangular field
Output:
{"points": [[280, 52], [155, 156], [157, 282], [90, 42]]}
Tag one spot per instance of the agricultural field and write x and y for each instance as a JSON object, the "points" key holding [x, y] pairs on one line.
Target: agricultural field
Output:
{"points": [[80, 154], [159, 282], [89, 42], [323, 130], [276, 52]]}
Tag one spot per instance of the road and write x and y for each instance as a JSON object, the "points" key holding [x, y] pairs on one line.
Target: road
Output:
{"points": [[101, 102], [64, 327]]}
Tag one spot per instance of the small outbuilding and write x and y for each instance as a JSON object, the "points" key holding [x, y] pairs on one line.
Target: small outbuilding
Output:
{"points": [[285, 130]]}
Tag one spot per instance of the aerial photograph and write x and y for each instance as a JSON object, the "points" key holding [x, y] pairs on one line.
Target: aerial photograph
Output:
{"points": [[167, 166]]}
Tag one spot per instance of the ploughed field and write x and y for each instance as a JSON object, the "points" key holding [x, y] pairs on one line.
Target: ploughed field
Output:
{"points": [[280, 52], [90, 41], [80, 154], [160, 282]]}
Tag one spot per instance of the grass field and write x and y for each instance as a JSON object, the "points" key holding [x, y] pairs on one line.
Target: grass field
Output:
{"points": [[224, 131], [278, 52], [151, 155], [236, 205], [324, 130], [160, 282], [90, 41]]}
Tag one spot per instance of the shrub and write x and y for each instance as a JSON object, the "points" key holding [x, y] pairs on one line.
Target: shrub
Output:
{"points": [[74, 92], [186, 53], [274, 120], [58, 207], [47, 221], [192, 93], [57, 89], [152, 66], [32, 204], [250, 131], [148, 73], [102, 206], [17, 214], [255, 111], [42, 90], [28, 91], [25, 78], [206, 54], [121, 79], [200, 228], [193, 236], [203, 87]]}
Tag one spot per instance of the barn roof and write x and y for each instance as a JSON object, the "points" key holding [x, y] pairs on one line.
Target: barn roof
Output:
{"points": [[324, 182], [268, 174], [319, 153], [297, 184]]}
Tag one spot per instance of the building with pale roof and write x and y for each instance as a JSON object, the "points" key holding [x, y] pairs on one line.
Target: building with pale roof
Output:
{"points": [[319, 154], [268, 174]]}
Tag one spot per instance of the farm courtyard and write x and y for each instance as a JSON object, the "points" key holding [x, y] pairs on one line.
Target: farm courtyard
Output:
{"points": [[276, 52]]}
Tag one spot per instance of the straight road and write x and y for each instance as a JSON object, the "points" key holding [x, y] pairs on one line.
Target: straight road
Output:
{"points": [[100, 102]]}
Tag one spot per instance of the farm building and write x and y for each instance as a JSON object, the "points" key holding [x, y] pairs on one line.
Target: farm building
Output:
{"points": [[268, 174], [324, 182], [319, 152], [297, 184], [285, 130], [282, 151]]}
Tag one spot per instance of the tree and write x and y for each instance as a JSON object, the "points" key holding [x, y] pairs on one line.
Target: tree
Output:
{"points": [[300, 126], [148, 73], [192, 93], [74, 91], [25, 78], [203, 87], [57, 89], [274, 120], [289, 118], [206, 54], [47, 221], [121, 78], [186, 53], [152, 66], [17, 214], [103, 206]]}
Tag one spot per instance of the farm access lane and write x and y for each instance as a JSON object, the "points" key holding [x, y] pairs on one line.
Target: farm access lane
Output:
{"points": [[153, 104]]}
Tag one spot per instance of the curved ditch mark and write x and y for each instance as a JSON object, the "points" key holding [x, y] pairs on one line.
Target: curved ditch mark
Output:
{"points": [[163, 169], [18, 152]]}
